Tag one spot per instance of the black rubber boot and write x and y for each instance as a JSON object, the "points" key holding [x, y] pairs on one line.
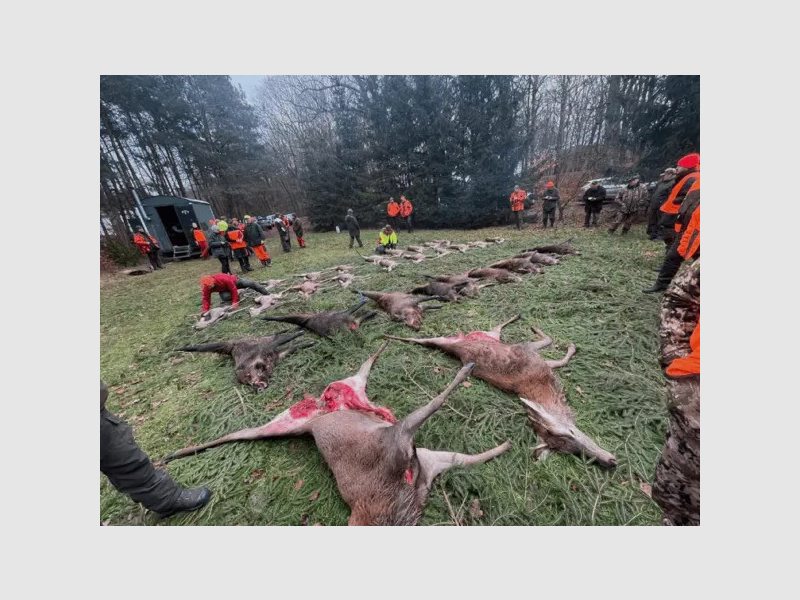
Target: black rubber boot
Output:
{"points": [[654, 290], [188, 500]]}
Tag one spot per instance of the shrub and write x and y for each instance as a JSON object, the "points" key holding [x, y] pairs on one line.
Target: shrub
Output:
{"points": [[120, 253]]}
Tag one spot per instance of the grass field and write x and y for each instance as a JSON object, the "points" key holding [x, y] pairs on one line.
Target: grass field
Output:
{"points": [[614, 384]]}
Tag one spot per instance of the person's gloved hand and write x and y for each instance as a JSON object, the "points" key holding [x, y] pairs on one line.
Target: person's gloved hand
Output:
{"points": [[235, 305]]}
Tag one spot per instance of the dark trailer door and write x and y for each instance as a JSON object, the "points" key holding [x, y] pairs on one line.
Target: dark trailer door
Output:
{"points": [[173, 225]]}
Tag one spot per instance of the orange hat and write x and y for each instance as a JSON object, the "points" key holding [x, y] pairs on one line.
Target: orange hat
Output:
{"points": [[551, 184], [690, 161], [207, 281]]}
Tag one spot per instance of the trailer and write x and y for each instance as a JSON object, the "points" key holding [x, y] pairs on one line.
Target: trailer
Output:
{"points": [[169, 220]]}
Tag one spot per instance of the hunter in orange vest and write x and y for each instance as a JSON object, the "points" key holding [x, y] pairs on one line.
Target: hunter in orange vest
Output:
{"points": [[517, 200], [149, 247], [239, 247], [200, 239], [405, 212], [393, 210]]}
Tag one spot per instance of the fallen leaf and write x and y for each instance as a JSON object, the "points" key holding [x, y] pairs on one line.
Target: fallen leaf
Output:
{"points": [[178, 360], [437, 369], [574, 487], [579, 390], [467, 384], [314, 496], [624, 483], [647, 489], [275, 478], [299, 484], [475, 509], [304, 520], [257, 474]]}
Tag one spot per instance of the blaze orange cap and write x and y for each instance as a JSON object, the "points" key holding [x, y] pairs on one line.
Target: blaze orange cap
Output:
{"points": [[207, 281]]}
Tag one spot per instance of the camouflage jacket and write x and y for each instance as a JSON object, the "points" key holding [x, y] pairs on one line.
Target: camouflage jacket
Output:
{"points": [[632, 199], [680, 312]]}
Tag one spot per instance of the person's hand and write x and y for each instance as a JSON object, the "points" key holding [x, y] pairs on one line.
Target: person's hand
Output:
{"points": [[235, 305]]}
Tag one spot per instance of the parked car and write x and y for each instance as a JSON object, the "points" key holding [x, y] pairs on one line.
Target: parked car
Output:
{"points": [[612, 185]]}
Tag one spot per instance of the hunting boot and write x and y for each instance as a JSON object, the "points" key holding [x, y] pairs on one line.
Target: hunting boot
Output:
{"points": [[187, 500]]}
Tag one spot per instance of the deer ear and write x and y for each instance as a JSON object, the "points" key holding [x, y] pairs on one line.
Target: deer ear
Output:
{"points": [[545, 418]]}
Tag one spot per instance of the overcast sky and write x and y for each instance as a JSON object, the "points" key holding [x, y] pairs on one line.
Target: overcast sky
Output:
{"points": [[248, 83]]}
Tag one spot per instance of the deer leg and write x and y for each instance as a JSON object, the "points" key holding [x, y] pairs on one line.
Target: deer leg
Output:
{"points": [[363, 372], [365, 316], [428, 307], [357, 306], [433, 463], [293, 349], [543, 343], [281, 425], [554, 364], [495, 332]]}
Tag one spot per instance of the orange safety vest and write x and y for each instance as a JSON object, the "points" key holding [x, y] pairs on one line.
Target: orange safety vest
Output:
{"points": [[144, 245], [689, 364], [517, 200], [199, 236], [694, 187], [690, 240], [405, 208], [237, 239], [393, 209], [669, 205]]}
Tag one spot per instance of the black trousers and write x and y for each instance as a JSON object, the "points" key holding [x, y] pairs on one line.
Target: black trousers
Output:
{"points": [[242, 283], [549, 213], [356, 237], [155, 259], [407, 221], [653, 215], [244, 261], [225, 264], [286, 243], [672, 262], [129, 469], [518, 217], [592, 210]]}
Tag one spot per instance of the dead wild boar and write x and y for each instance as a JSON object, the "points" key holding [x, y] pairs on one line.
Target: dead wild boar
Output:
{"points": [[520, 370], [384, 478], [562, 248], [326, 323], [254, 359], [401, 307], [447, 292]]}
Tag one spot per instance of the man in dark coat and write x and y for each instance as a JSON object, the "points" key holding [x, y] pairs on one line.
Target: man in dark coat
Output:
{"points": [[254, 236], [660, 194], [130, 471], [282, 224], [593, 203], [219, 246], [297, 227], [550, 202], [353, 228], [632, 200]]}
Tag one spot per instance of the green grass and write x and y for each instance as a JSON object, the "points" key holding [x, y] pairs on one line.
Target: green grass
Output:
{"points": [[594, 300]]}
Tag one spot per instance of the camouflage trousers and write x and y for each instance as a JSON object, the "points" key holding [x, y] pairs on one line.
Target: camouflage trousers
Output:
{"points": [[676, 486]]}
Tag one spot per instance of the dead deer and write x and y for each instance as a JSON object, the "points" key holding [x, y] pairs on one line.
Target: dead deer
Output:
{"points": [[213, 315], [519, 265], [460, 247], [384, 478], [496, 240], [308, 288], [520, 370], [387, 264], [538, 258], [562, 248], [315, 276], [447, 292], [401, 307], [442, 252], [264, 303], [343, 268], [396, 252], [326, 323], [499, 275], [478, 244], [254, 359], [417, 249], [417, 257], [272, 282]]}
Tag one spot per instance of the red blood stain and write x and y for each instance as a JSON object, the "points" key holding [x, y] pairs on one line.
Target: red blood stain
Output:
{"points": [[337, 396], [352, 326], [480, 336], [409, 476]]}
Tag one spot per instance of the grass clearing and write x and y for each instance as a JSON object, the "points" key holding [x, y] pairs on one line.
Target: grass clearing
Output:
{"points": [[594, 300]]}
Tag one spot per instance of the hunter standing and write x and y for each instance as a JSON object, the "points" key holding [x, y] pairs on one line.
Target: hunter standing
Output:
{"points": [[593, 200], [406, 208], [218, 244], [517, 200], [632, 200], [282, 223], [676, 485], [297, 227], [660, 194], [353, 228], [550, 202], [393, 210], [254, 237], [687, 173], [149, 247], [200, 239], [239, 246]]}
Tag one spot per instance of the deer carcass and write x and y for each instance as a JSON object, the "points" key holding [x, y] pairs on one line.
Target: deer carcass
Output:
{"points": [[496, 240], [519, 265], [499, 275], [308, 288], [264, 303], [213, 315], [563, 248], [538, 258], [417, 249], [447, 292], [387, 264], [382, 476], [520, 370], [396, 252], [417, 257], [478, 244], [401, 307], [327, 322], [254, 359], [460, 247]]}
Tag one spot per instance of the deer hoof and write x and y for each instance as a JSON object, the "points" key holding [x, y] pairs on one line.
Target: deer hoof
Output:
{"points": [[541, 451]]}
